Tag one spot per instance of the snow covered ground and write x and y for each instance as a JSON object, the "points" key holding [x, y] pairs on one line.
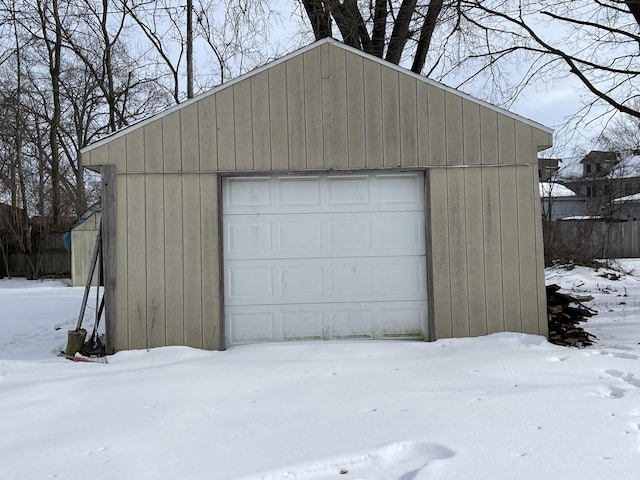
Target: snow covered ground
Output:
{"points": [[500, 407]]}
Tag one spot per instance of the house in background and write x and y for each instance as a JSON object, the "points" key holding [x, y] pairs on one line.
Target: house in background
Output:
{"points": [[327, 195], [605, 178], [598, 164], [548, 168], [559, 202]]}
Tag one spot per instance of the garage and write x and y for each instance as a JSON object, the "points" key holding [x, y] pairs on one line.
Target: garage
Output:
{"points": [[324, 257], [327, 195]]}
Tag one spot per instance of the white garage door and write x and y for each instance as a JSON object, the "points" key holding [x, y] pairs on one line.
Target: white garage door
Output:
{"points": [[324, 257]]}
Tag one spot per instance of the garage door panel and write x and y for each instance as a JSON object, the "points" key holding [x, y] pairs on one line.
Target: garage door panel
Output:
{"points": [[245, 194], [399, 233], [320, 280], [350, 281], [251, 326], [350, 232], [399, 190], [245, 238], [397, 320], [249, 283], [401, 280], [296, 238], [303, 325], [328, 256], [300, 281], [403, 320], [298, 191], [348, 191], [323, 194], [352, 323], [324, 235]]}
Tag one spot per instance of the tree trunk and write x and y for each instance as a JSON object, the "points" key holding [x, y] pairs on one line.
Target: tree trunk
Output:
{"points": [[54, 49], [634, 8], [426, 33], [400, 33], [189, 48], [379, 28], [319, 17]]}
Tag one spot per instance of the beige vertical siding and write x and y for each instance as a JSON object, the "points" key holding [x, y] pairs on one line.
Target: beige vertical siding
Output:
{"points": [[135, 233], [207, 129], [409, 101], [337, 106], [440, 253], [325, 86], [482, 284], [390, 118], [458, 255], [356, 107], [423, 124], [211, 260], [328, 108], [261, 132], [173, 237], [492, 239], [476, 263], [83, 241], [373, 114], [453, 129], [313, 110], [192, 250], [437, 129], [243, 126], [296, 113], [226, 137], [278, 117]]}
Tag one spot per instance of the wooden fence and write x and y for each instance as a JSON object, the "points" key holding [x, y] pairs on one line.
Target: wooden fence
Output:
{"points": [[48, 259], [590, 239]]}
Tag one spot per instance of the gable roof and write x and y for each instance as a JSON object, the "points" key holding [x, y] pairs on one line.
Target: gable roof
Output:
{"points": [[301, 51], [600, 156]]}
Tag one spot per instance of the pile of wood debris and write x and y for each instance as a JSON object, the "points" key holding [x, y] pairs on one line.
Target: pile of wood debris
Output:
{"points": [[565, 313]]}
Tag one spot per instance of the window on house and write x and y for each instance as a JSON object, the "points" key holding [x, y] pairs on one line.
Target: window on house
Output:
{"points": [[592, 191], [607, 189], [598, 167], [588, 168], [627, 189]]}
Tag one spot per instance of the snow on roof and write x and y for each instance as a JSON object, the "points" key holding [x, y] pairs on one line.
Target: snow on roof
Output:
{"points": [[555, 190], [629, 198]]}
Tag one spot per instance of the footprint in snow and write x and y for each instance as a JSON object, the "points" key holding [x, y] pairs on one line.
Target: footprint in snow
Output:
{"points": [[557, 358], [628, 378], [396, 461], [611, 392], [627, 356]]}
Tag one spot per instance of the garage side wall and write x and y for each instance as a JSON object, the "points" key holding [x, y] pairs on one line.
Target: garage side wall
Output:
{"points": [[487, 252], [166, 243]]}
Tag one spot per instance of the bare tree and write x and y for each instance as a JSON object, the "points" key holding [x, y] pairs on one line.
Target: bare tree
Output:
{"points": [[382, 28], [236, 33], [162, 23], [594, 41], [501, 45], [623, 136]]}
